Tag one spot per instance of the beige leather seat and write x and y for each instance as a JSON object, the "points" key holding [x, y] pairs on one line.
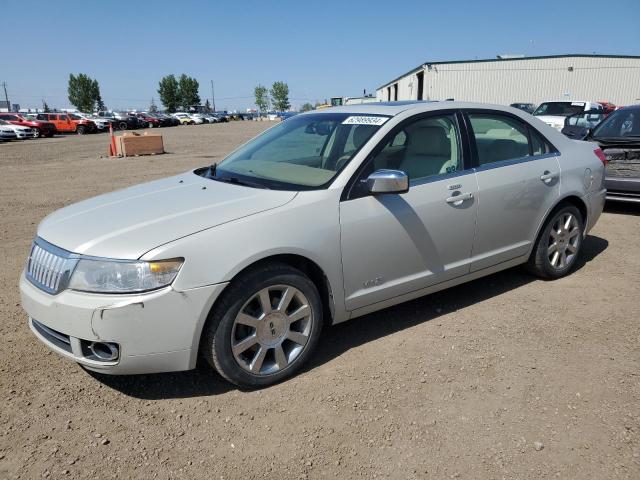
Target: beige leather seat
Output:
{"points": [[428, 152]]}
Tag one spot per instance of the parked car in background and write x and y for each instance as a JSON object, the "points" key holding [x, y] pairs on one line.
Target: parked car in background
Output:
{"points": [[101, 123], [68, 123], [554, 113], [618, 135], [608, 107], [242, 263], [199, 118], [22, 133], [222, 117], [147, 120], [6, 131], [184, 118], [122, 120], [167, 120], [41, 128], [575, 125], [525, 107]]}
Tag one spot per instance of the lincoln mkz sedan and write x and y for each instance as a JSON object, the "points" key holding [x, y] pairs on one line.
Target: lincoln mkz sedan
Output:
{"points": [[324, 217]]}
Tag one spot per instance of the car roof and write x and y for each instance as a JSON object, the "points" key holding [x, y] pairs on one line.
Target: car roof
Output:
{"points": [[395, 108]]}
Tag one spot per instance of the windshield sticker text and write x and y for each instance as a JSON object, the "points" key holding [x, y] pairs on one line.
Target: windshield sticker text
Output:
{"points": [[362, 120]]}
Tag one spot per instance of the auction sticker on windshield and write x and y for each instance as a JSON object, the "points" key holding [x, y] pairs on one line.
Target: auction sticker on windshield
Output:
{"points": [[365, 120]]}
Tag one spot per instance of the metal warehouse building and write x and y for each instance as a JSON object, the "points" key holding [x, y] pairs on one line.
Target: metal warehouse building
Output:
{"points": [[505, 80]]}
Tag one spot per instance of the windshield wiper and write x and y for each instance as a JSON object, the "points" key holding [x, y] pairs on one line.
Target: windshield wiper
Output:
{"points": [[237, 181]]}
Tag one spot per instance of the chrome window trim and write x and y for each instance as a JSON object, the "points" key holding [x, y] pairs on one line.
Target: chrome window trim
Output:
{"points": [[441, 176], [515, 161]]}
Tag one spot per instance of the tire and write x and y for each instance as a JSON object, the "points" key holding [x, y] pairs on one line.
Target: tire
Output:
{"points": [[81, 129], [557, 248], [122, 125], [269, 347], [37, 133]]}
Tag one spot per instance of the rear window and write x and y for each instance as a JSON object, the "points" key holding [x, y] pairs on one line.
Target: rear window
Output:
{"points": [[563, 109]]}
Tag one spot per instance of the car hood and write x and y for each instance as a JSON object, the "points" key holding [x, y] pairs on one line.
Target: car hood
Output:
{"points": [[128, 223], [555, 121]]}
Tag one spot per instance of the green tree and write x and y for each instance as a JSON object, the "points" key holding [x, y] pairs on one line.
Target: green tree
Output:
{"points": [[45, 107], [100, 106], [188, 89], [169, 93], [280, 96], [152, 107], [83, 92], [262, 100], [306, 107]]}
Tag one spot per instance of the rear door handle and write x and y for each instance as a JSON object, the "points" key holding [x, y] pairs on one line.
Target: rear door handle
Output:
{"points": [[547, 176], [458, 199]]}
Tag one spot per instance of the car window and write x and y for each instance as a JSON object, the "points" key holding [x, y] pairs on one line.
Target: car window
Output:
{"points": [[563, 109], [302, 152], [9, 117], [498, 137], [423, 148], [539, 146], [621, 123]]}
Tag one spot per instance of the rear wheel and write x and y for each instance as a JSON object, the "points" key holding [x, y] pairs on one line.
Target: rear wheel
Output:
{"points": [[265, 327], [559, 244], [122, 126], [81, 129]]}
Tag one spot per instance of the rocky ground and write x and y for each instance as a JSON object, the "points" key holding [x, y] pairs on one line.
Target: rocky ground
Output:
{"points": [[507, 377]]}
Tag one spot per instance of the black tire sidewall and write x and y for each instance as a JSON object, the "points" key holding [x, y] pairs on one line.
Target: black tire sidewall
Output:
{"points": [[542, 259], [217, 345]]}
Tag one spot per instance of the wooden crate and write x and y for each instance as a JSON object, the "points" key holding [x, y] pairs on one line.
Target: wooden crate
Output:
{"points": [[130, 144]]}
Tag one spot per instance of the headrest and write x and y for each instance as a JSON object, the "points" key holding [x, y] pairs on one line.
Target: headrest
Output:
{"points": [[361, 134], [428, 140]]}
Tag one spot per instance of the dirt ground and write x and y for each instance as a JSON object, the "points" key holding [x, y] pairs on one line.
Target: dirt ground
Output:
{"points": [[507, 377]]}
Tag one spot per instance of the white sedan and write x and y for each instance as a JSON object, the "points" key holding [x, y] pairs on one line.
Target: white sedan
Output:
{"points": [[22, 133], [7, 131], [325, 217]]}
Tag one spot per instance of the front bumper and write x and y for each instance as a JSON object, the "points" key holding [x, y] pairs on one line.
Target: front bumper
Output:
{"points": [[155, 332]]}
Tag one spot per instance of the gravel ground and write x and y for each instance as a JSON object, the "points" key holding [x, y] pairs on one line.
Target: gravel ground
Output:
{"points": [[507, 377]]}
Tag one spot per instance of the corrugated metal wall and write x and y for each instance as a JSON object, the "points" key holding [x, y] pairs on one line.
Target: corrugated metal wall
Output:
{"points": [[528, 80]]}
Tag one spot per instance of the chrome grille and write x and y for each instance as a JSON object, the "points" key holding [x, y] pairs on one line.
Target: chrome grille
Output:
{"points": [[49, 267]]}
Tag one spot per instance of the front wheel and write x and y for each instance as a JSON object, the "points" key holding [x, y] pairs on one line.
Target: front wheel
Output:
{"points": [[81, 130], [558, 247], [265, 327]]}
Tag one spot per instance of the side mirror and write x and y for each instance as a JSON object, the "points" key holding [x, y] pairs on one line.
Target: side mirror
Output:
{"points": [[388, 181]]}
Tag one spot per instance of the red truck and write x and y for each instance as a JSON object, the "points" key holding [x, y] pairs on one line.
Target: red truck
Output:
{"points": [[44, 129], [69, 123]]}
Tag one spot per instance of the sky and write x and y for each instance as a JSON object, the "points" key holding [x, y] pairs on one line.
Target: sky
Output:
{"points": [[320, 49]]}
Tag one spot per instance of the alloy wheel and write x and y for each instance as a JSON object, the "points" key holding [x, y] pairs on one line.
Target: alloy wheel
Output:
{"points": [[564, 240], [271, 330]]}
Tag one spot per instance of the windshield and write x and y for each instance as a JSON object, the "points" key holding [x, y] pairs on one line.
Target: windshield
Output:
{"points": [[562, 109], [621, 123], [301, 153]]}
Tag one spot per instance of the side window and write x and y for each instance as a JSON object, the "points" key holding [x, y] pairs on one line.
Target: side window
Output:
{"points": [[498, 137], [423, 148], [538, 144]]}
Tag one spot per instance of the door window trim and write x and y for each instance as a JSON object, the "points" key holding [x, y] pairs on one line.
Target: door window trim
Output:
{"points": [[467, 166], [475, 161]]}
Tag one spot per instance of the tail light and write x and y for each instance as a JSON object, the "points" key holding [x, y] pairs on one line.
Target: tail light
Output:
{"points": [[600, 154]]}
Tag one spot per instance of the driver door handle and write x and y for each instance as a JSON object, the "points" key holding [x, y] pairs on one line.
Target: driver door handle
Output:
{"points": [[458, 199], [547, 176]]}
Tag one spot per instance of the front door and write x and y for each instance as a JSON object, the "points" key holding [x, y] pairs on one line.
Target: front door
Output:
{"points": [[395, 244], [518, 177]]}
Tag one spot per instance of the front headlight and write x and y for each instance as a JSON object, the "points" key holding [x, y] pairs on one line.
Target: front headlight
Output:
{"points": [[112, 276]]}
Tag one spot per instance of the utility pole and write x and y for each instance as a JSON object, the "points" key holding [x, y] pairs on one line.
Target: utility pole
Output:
{"points": [[6, 97], [213, 98]]}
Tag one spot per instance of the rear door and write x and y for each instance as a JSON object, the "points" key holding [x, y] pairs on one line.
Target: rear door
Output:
{"points": [[518, 176], [395, 244]]}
